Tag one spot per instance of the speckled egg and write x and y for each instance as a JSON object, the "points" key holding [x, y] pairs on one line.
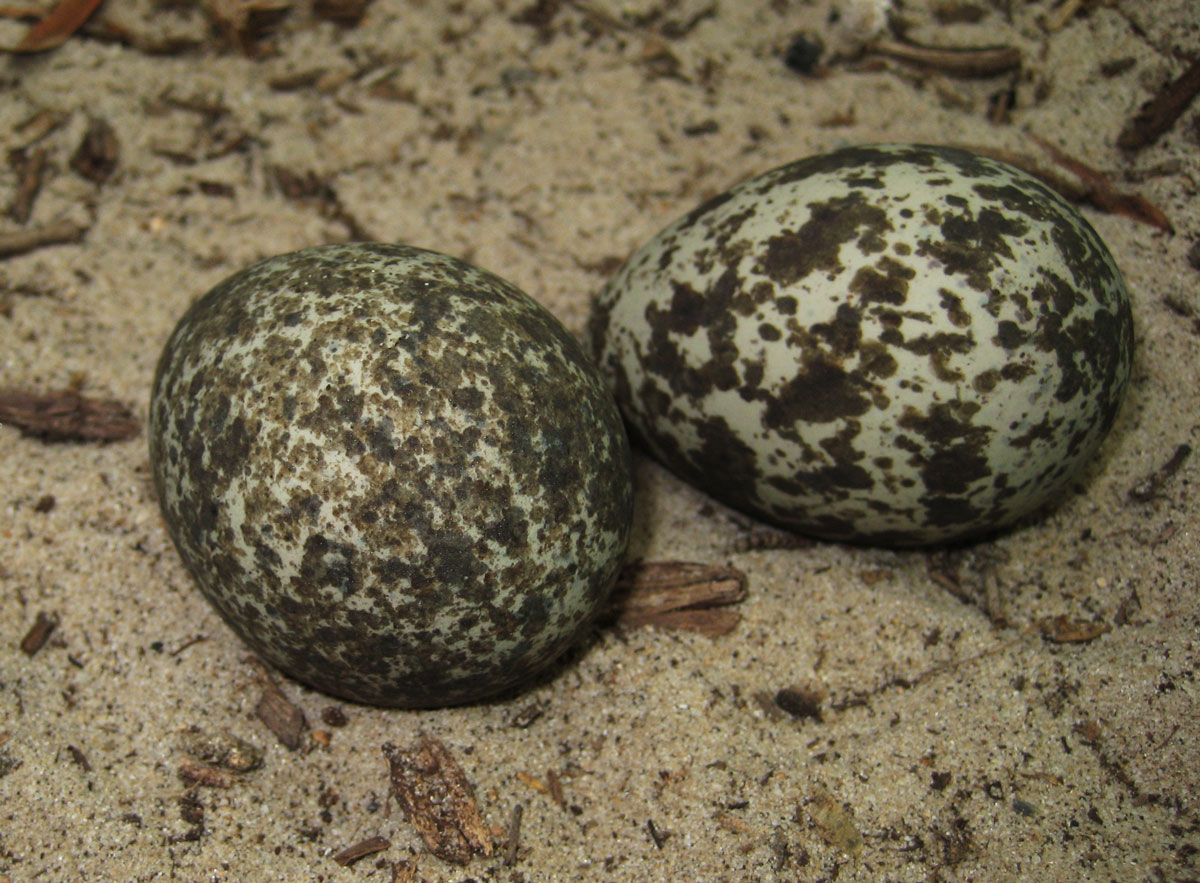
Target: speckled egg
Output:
{"points": [[396, 477], [895, 344]]}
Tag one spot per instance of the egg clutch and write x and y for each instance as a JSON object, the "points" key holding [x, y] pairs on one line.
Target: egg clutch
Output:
{"points": [[399, 479]]}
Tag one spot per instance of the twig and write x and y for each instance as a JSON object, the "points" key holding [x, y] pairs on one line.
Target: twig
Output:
{"points": [[1160, 113], [29, 174], [985, 61], [514, 835], [55, 233]]}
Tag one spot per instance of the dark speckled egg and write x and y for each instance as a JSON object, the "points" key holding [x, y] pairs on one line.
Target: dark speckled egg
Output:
{"points": [[394, 475], [895, 344]]}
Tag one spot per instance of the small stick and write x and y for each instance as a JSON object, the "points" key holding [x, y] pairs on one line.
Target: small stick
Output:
{"points": [[514, 835], [29, 171], [1160, 113], [55, 233], [986, 61]]}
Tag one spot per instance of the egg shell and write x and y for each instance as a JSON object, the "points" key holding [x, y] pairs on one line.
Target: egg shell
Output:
{"points": [[396, 477], [896, 344]]}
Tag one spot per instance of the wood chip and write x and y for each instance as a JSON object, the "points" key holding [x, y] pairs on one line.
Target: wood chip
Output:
{"points": [[438, 800], [363, 848], [1160, 113], [282, 718], [344, 12], [96, 156], [801, 702], [1061, 630], [60, 23], [58, 232], [202, 774], [39, 633], [66, 416], [987, 61], [679, 595]]}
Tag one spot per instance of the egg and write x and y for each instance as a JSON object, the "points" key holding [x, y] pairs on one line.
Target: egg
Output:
{"points": [[394, 475], [895, 344]]}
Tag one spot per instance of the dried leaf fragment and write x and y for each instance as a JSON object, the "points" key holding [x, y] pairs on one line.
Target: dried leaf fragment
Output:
{"points": [[66, 416], [363, 848], [438, 800], [61, 22], [679, 595], [834, 822]]}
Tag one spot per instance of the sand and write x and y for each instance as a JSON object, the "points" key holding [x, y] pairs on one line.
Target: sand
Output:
{"points": [[959, 736]]}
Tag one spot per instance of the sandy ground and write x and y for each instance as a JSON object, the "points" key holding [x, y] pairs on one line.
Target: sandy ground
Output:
{"points": [[957, 740]]}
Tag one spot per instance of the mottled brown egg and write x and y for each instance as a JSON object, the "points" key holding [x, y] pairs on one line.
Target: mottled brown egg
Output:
{"points": [[897, 344], [396, 477]]}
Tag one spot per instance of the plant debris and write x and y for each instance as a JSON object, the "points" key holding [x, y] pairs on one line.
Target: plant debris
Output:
{"points": [[801, 702], [513, 839], [222, 750], [282, 718], [96, 156], [54, 233], [29, 166], [1062, 630], [438, 800], [1160, 113], [1082, 184], [198, 773], [986, 61], [679, 595], [60, 23], [39, 633], [66, 416], [363, 848], [242, 22], [1149, 487], [834, 823]]}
